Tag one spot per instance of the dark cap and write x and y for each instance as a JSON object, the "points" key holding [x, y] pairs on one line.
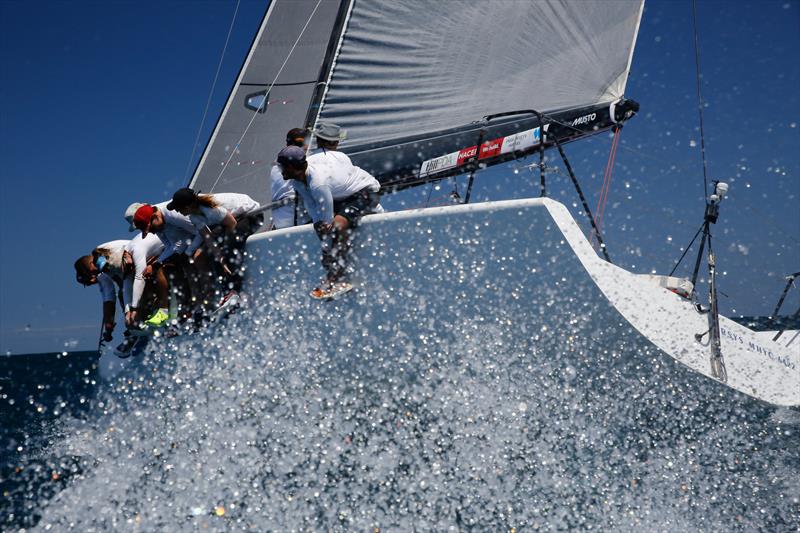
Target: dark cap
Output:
{"points": [[182, 198], [296, 137], [293, 156]]}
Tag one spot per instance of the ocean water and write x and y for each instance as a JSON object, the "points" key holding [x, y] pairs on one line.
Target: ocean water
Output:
{"points": [[459, 387], [231, 431]]}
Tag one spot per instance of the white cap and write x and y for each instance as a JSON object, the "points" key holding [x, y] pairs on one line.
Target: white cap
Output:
{"points": [[130, 212]]}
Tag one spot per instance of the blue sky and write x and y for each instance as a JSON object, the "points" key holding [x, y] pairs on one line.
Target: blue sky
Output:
{"points": [[101, 103]]}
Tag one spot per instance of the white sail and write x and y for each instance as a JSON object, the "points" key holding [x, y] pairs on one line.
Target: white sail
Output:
{"points": [[407, 67], [394, 69]]}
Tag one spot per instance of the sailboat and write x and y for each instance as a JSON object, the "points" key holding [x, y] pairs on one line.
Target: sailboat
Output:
{"points": [[427, 91]]}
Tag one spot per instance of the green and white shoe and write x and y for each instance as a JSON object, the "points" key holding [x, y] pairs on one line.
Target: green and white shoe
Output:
{"points": [[159, 319]]}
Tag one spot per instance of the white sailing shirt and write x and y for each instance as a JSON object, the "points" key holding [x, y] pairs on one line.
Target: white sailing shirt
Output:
{"points": [[283, 216], [141, 249], [112, 272], [330, 157], [236, 204], [177, 234], [331, 176]]}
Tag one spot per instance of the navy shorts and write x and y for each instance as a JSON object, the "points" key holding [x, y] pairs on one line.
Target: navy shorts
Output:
{"points": [[357, 205]]}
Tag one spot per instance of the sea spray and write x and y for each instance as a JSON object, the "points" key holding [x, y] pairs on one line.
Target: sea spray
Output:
{"points": [[468, 382]]}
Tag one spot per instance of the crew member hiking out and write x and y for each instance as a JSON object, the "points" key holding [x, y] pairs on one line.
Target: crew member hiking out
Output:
{"points": [[223, 222], [138, 288], [336, 196], [283, 216], [103, 267], [176, 232], [328, 136]]}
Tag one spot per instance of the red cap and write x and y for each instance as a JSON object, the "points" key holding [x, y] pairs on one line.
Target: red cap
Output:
{"points": [[142, 218]]}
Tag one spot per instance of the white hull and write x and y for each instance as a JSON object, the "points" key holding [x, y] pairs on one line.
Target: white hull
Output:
{"points": [[755, 364], [463, 264]]}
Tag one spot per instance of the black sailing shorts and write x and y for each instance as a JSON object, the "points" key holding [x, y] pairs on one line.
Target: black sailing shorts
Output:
{"points": [[357, 205]]}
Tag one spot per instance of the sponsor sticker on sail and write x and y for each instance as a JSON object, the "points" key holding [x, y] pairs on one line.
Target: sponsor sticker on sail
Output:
{"points": [[466, 154], [521, 141], [502, 145], [431, 166], [491, 148], [446, 162]]}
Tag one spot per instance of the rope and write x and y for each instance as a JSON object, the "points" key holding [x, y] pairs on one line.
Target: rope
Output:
{"points": [[210, 94], [269, 89], [601, 202], [687, 249], [699, 97]]}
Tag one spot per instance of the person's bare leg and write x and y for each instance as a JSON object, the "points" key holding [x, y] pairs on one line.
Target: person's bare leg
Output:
{"points": [[341, 245], [162, 289], [206, 280]]}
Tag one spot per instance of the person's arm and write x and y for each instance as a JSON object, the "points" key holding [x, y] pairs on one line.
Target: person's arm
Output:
{"points": [[195, 245], [109, 312], [169, 249], [198, 239], [181, 244], [106, 285], [323, 198], [229, 222], [308, 201], [139, 264], [127, 292]]}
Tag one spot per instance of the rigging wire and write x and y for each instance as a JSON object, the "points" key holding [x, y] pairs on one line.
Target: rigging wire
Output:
{"points": [[264, 102], [210, 94], [601, 202], [671, 164], [698, 77]]}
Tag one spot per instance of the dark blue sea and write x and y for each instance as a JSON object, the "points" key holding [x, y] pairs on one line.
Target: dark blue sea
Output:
{"points": [[37, 392]]}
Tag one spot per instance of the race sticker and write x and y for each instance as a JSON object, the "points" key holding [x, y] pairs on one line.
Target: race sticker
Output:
{"points": [[502, 145]]}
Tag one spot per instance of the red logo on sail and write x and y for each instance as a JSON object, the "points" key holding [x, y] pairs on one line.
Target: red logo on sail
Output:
{"points": [[466, 154], [491, 148]]}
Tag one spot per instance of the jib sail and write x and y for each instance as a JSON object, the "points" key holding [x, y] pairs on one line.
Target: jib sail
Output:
{"points": [[270, 97]]}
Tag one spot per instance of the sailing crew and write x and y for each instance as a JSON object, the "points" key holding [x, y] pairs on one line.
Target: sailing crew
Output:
{"points": [[103, 267], [336, 197], [282, 191], [328, 136], [138, 289], [176, 232], [227, 218]]}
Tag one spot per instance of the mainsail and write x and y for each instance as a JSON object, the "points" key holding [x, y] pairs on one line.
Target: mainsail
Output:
{"points": [[425, 89]]}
